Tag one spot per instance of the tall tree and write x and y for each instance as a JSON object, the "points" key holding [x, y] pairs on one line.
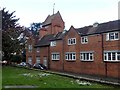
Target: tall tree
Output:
{"points": [[10, 32], [34, 27]]}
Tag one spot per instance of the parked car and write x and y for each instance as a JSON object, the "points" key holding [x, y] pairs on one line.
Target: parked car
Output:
{"points": [[39, 66], [22, 64], [3, 62], [28, 65]]}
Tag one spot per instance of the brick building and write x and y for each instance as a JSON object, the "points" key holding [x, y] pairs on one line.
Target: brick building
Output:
{"points": [[41, 49], [91, 50]]}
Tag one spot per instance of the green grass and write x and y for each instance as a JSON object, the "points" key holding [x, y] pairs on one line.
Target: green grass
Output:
{"points": [[20, 76], [0, 77]]}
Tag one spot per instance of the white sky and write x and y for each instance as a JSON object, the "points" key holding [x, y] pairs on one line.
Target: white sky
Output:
{"points": [[78, 13]]}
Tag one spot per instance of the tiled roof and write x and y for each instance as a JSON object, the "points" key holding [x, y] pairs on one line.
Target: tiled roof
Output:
{"points": [[101, 28], [44, 41], [88, 30], [59, 35], [49, 19]]}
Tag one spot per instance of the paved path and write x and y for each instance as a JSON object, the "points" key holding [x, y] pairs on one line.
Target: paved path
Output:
{"points": [[20, 86], [113, 81]]}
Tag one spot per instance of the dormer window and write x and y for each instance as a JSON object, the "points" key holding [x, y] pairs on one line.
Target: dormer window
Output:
{"points": [[53, 43], [84, 40], [112, 36], [71, 41]]}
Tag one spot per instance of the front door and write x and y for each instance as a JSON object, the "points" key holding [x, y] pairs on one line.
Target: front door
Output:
{"points": [[37, 59], [45, 61], [30, 60]]}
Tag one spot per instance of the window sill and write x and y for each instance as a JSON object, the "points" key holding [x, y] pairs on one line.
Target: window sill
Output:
{"points": [[84, 43], [112, 61], [87, 60], [55, 60], [71, 44], [112, 40], [71, 60]]}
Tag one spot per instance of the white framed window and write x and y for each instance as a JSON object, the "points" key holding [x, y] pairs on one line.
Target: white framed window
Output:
{"points": [[71, 41], [53, 43], [37, 49], [112, 36], [30, 48], [37, 59], [30, 60], [111, 55], [70, 56], [86, 56], [84, 39], [55, 56]]}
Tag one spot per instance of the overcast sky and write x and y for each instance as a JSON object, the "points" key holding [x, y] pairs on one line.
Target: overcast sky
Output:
{"points": [[78, 13]]}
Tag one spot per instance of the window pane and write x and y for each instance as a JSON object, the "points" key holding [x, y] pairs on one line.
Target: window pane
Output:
{"points": [[58, 56], [109, 56], [86, 39], [81, 56], [68, 41], [84, 56], [113, 56], [91, 56], [73, 56], [87, 56], [116, 35], [82, 39], [112, 36], [52, 57], [74, 41], [70, 56], [66, 56], [107, 36], [118, 56], [105, 56]]}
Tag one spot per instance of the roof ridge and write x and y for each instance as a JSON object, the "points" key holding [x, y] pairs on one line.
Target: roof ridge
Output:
{"points": [[99, 24], [101, 28]]}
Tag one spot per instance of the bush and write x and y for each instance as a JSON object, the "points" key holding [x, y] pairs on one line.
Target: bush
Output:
{"points": [[16, 58]]}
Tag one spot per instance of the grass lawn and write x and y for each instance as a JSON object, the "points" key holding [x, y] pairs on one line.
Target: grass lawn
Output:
{"points": [[0, 77], [20, 76]]}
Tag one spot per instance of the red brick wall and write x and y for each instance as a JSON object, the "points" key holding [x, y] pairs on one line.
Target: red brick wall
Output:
{"points": [[44, 53], [97, 66], [30, 41], [113, 68], [42, 32], [57, 25], [72, 66], [57, 64], [111, 45]]}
